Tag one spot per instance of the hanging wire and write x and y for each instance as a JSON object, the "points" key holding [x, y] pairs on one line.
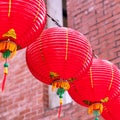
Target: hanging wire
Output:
{"points": [[93, 51], [55, 21]]}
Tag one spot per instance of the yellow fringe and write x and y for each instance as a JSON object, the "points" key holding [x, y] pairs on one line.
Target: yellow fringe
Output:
{"points": [[8, 45], [60, 84], [95, 106]]}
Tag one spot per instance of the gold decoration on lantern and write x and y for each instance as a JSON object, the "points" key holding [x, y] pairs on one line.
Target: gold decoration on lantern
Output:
{"points": [[11, 33]]}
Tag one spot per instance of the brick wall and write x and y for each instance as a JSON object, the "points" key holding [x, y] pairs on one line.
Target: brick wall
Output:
{"points": [[99, 20], [25, 98]]}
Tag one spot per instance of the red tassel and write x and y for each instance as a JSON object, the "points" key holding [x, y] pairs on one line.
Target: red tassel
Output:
{"points": [[59, 111], [3, 82]]}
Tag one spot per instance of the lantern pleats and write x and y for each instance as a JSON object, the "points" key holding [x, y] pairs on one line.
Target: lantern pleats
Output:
{"points": [[26, 17], [100, 85], [59, 50], [112, 109]]}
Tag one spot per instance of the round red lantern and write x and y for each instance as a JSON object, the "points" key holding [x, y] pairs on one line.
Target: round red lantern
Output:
{"points": [[21, 23], [58, 56], [112, 109], [98, 87]]}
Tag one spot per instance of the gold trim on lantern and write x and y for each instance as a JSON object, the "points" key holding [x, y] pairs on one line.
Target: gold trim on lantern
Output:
{"points": [[91, 79], [36, 16], [111, 81], [54, 75], [9, 8], [11, 33], [104, 100], [66, 53]]}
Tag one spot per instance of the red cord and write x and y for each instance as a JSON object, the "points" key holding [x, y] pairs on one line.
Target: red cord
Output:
{"points": [[59, 111], [3, 82]]}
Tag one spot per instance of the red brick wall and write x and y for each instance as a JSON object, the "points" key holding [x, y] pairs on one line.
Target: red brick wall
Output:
{"points": [[25, 98], [99, 20]]}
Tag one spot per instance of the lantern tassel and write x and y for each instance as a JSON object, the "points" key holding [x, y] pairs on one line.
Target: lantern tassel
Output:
{"points": [[3, 81], [5, 75], [60, 93], [60, 108]]}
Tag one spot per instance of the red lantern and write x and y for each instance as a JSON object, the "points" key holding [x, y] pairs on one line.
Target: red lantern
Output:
{"points": [[98, 87], [112, 110], [21, 23], [58, 56], [21, 20]]}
